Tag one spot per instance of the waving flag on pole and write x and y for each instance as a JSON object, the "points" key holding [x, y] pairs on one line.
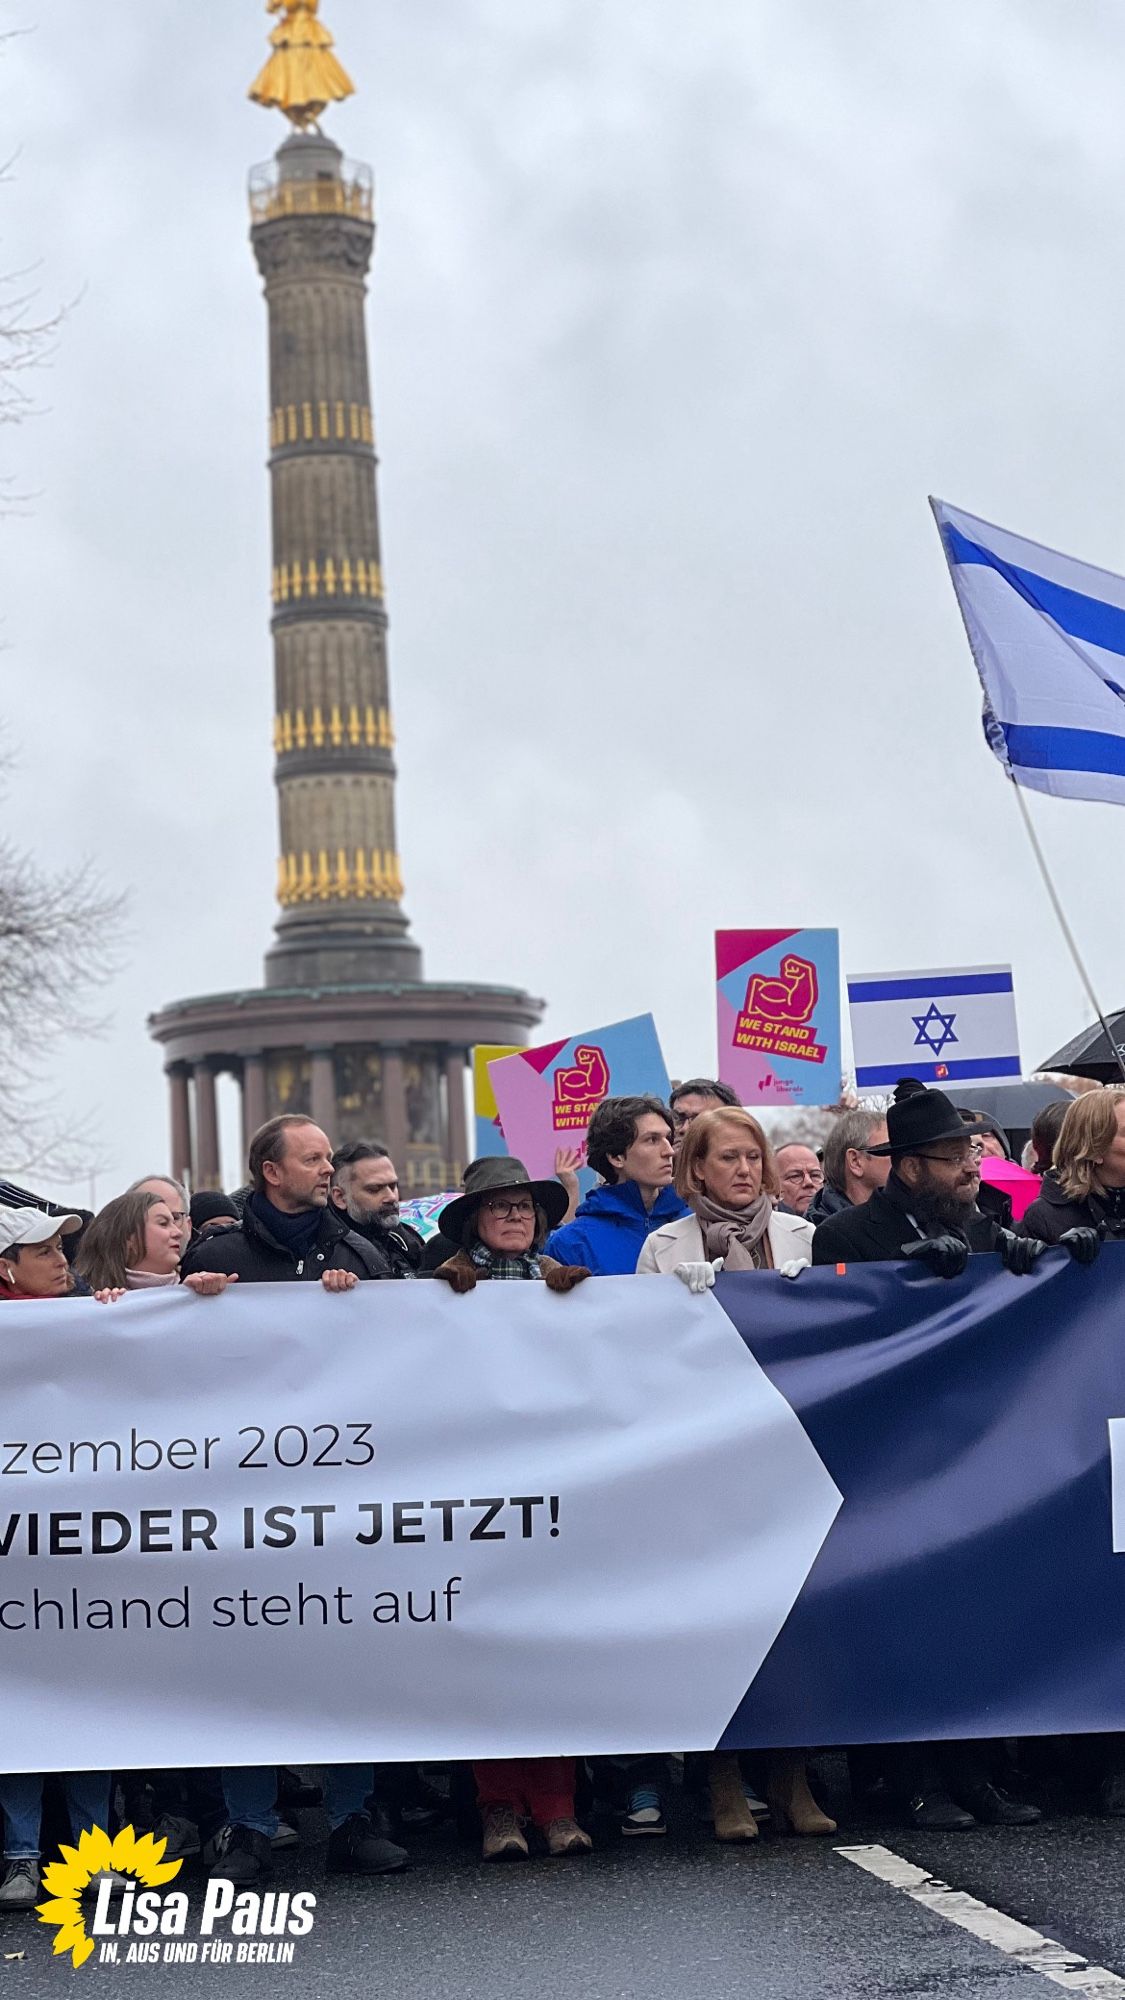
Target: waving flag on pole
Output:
{"points": [[1048, 637]]}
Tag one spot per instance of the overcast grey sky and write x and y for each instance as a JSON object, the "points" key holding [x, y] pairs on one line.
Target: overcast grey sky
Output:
{"points": [[678, 315]]}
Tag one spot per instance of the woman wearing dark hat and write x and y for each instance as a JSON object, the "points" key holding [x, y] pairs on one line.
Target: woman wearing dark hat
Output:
{"points": [[500, 1223]]}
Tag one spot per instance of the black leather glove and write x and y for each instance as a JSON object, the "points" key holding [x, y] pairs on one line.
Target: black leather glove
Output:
{"points": [[1018, 1254], [1081, 1244], [946, 1256]]}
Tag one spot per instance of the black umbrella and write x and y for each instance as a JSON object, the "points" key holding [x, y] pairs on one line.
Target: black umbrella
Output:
{"points": [[1093, 1052], [1013, 1106]]}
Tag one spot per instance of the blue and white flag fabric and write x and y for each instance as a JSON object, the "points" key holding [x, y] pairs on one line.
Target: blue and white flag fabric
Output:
{"points": [[955, 1026], [1048, 637]]}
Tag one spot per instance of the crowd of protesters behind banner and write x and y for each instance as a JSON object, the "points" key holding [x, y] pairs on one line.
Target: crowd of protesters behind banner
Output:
{"points": [[691, 1187]]}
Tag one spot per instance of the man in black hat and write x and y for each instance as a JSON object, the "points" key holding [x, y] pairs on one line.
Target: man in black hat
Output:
{"points": [[928, 1208]]}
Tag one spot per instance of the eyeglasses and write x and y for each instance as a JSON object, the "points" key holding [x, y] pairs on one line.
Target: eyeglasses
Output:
{"points": [[500, 1207], [812, 1174], [970, 1150], [178, 1214]]}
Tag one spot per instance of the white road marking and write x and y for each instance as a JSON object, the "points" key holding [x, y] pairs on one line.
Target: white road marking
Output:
{"points": [[1026, 1946]]}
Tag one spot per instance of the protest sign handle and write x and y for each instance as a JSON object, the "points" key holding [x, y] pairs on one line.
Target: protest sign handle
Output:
{"points": [[1068, 934]]}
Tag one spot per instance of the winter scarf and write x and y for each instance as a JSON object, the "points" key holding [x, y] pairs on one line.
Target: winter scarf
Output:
{"points": [[526, 1266], [738, 1235], [295, 1233]]}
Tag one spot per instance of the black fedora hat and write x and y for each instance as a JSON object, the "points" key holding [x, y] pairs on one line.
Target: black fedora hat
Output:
{"points": [[920, 1117], [500, 1175]]}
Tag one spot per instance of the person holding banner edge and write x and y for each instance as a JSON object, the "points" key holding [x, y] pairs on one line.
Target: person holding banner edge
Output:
{"points": [[928, 1211], [289, 1233], [500, 1223], [727, 1178]]}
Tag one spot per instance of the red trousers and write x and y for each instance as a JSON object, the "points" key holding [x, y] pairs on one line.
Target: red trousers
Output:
{"points": [[536, 1788]]}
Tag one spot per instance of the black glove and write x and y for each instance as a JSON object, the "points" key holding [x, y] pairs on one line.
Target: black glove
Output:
{"points": [[1081, 1244], [1018, 1254], [946, 1256]]}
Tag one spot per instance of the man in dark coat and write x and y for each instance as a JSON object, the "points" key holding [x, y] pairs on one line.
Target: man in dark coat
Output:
{"points": [[365, 1192], [928, 1208], [288, 1232]]}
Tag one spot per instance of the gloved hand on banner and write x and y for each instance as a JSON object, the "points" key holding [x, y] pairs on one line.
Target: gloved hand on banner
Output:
{"points": [[793, 1266], [699, 1277], [1081, 1244], [946, 1256], [1018, 1254]]}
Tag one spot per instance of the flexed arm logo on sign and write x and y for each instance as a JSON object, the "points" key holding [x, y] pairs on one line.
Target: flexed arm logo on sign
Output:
{"points": [[580, 1090], [791, 997]]}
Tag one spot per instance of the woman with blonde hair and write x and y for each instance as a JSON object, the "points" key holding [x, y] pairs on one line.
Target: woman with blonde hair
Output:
{"points": [[1085, 1185], [726, 1172]]}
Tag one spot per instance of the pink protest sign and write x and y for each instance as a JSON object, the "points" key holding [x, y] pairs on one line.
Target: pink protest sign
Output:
{"points": [[546, 1097], [778, 996]]}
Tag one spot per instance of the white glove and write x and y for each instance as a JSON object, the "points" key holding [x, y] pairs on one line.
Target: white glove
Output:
{"points": [[793, 1267], [699, 1277]]}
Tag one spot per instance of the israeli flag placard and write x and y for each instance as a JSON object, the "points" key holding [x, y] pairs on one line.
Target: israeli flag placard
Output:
{"points": [[953, 1026]]}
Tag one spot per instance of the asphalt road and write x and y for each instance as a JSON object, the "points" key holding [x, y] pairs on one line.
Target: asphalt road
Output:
{"points": [[661, 1919]]}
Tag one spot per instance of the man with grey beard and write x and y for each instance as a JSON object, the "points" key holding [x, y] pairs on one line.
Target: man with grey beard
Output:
{"points": [[365, 1188]]}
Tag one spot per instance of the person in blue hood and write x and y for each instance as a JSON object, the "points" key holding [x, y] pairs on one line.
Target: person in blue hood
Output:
{"points": [[630, 1144]]}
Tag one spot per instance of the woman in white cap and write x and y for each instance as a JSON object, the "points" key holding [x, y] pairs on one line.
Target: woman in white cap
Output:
{"points": [[33, 1262]]}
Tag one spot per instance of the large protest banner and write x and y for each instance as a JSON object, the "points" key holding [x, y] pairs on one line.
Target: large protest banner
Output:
{"points": [[867, 1505], [283, 1526]]}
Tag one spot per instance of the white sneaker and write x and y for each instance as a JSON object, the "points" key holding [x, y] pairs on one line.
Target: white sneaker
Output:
{"points": [[286, 1835]]}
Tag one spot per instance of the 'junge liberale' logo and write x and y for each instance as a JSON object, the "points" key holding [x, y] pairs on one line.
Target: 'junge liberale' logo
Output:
{"points": [[142, 1925]]}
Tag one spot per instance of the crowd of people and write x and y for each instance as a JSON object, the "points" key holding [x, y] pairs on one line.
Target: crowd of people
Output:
{"points": [[690, 1187]]}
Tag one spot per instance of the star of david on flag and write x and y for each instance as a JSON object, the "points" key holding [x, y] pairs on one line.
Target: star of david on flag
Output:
{"points": [[935, 1029], [956, 1025]]}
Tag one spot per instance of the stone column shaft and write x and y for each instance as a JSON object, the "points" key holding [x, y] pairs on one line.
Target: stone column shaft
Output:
{"points": [[322, 1093], [181, 1123], [396, 1129], [457, 1142], [206, 1128]]}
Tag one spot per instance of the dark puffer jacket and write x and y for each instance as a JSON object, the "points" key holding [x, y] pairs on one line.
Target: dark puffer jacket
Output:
{"points": [[255, 1257]]}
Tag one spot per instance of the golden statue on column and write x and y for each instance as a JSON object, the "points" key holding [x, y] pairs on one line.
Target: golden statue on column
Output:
{"points": [[302, 77]]}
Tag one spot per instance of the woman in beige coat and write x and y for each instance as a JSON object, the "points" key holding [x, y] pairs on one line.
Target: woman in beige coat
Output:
{"points": [[725, 1171]]}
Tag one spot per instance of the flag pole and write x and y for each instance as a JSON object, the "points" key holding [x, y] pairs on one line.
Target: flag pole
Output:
{"points": [[1068, 934]]}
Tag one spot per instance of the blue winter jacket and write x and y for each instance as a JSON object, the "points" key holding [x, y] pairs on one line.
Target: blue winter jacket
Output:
{"points": [[608, 1233]]}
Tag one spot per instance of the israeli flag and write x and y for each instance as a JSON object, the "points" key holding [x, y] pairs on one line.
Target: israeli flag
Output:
{"points": [[1048, 637], [956, 1026]]}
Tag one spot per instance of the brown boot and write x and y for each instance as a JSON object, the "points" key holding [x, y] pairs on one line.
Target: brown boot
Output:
{"points": [[792, 1805], [503, 1839], [565, 1836], [729, 1810]]}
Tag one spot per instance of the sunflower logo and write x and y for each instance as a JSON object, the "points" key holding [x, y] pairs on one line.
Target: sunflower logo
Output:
{"points": [[68, 1879]]}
